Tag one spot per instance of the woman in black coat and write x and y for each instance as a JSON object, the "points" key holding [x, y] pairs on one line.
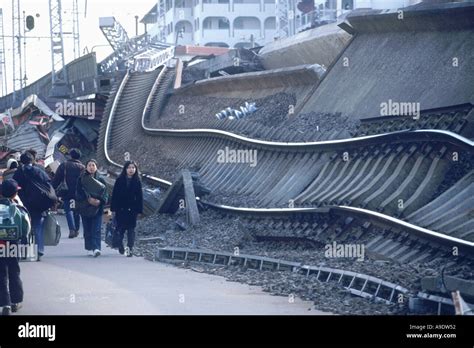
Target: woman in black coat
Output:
{"points": [[127, 203]]}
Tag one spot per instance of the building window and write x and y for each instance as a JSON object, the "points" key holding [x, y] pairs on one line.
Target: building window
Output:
{"points": [[223, 24], [347, 4], [216, 23], [247, 23]]}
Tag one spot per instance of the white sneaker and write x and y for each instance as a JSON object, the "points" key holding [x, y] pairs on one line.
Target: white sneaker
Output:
{"points": [[90, 253], [96, 252], [127, 251]]}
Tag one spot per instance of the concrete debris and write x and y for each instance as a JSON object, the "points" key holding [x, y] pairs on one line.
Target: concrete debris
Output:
{"points": [[172, 199], [447, 284], [151, 198], [461, 307], [26, 137], [192, 211], [35, 102]]}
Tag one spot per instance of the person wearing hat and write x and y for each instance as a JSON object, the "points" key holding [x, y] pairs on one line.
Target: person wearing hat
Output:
{"points": [[11, 286], [12, 166], [70, 171]]}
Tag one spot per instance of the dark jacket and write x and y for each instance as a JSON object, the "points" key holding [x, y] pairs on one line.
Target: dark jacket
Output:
{"points": [[127, 202], [82, 195], [74, 169], [24, 176]]}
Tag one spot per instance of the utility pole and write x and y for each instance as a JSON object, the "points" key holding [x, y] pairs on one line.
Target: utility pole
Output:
{"points": [[25, 78], [75, 29], [58, 71], [70, 24], [179, 34], [16, 53], [136, 25], [3, 67]]}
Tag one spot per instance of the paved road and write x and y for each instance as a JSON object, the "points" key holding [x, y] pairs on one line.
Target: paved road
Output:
{"points": [[67, 281]]}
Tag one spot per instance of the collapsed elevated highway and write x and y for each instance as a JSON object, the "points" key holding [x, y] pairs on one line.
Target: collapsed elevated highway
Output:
{"points": [[375, 185]]}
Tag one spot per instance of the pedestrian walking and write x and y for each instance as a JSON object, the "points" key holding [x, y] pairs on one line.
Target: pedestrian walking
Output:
{"points": [[37, 194], [11, 286], [66, 177], [127, 204], [91, 196]]}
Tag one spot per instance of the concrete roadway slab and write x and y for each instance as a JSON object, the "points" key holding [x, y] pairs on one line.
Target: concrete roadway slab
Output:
{"points": [[68, 282]]}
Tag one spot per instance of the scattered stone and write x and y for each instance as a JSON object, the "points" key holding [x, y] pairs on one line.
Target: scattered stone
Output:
{"points": [[221, 233]]}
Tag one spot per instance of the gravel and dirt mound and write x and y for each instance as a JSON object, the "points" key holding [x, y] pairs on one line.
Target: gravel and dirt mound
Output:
{"points": [[274, 119], [222, 233]]}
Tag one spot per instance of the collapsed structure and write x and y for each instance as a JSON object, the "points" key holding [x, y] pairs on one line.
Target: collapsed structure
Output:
{"points": [[399, 192]]}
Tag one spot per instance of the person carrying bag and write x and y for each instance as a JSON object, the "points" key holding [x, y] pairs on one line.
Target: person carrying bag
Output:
{"points": [[65, 182], [37, 194], [91, 197], [127, 204]]}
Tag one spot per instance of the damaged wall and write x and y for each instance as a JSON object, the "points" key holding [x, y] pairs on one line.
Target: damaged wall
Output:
{"points": [[410, 60]]}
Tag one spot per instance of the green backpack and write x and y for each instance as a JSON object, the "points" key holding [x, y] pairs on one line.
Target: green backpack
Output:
{"points": [[14, 222]]}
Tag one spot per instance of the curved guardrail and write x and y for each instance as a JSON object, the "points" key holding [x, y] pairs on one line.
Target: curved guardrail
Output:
{"points": [[109, 124], [356, 283], [418, 135], [399, 136], [462, 245]]}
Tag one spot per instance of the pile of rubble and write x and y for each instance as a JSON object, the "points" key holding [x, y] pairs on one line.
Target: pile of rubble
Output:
{"points": [[276, 113], [49, 128], [220, 233]]}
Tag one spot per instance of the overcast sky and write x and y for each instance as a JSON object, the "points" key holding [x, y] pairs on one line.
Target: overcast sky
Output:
{"points": [[38, 51]]}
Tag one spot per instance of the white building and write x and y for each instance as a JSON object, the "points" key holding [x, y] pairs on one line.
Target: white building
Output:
{"points": [[243, 23], [224, 23]]}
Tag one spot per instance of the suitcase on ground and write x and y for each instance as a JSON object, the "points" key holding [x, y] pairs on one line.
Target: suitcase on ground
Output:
{"points": [[51, 230], [111, 234]]}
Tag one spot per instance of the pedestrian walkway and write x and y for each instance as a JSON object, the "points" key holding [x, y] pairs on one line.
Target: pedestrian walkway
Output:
{"points": [[68, 282]]}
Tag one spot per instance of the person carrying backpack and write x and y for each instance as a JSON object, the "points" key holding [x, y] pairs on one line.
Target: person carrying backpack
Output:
{"points": [[37, 194], [127, 203], [69, 172], [91, 196], [16, 221]]}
